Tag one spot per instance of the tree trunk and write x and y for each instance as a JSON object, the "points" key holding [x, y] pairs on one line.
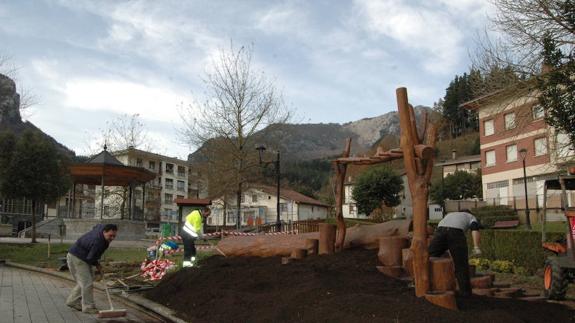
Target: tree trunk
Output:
{"points": [[419, 241], [341, 170], [366, 236], [239, 206], [34, 221]]}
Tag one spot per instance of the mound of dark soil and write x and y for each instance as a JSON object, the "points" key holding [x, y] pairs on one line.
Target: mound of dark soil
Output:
{"points": [[345, 287]]}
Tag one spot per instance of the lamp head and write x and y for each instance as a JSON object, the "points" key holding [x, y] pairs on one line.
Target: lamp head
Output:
{"points": [[523, 153], [260, 149]]}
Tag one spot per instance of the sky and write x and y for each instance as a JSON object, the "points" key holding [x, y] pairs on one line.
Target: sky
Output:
{"points": [[88, 62]]}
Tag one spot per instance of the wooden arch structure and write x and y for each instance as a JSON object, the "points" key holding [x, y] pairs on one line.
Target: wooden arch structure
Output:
{"points": [[417, 151], [105, 170]]}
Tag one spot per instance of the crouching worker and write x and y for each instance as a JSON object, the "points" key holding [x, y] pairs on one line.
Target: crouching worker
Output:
{"points": [[193, 229], [84, 254], [450, 235]]}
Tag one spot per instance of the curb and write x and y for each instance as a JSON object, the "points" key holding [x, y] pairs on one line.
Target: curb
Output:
{"points": [[133, 301]]}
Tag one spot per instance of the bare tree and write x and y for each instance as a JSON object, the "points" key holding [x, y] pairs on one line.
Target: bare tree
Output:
{"points": [[522, 26], [239, 102], [125, 131], [8, 68]]}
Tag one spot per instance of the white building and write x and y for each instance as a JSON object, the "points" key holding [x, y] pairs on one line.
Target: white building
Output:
{"points": [[259, 206], [349, 207]]}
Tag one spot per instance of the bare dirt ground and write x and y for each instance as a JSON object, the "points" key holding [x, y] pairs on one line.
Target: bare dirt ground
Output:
{"points": [[345, 287]]}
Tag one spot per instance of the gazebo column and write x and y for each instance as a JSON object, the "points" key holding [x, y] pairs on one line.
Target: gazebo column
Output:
{"points": [[144, 202], [102, 197], [130, 202], [74, 200]]}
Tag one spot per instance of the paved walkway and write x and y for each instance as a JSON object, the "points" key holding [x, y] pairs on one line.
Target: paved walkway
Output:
{"points": [[32, 297]]}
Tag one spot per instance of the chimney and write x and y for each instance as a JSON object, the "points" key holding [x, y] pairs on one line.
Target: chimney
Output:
{"points": [[453, 154]]}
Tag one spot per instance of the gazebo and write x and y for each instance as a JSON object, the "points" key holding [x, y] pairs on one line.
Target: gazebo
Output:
{"points": [[105, 170]]}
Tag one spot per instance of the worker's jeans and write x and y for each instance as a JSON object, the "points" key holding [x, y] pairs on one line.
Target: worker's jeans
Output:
{"points": [[84, 277], [189, 246], [454, 240]]}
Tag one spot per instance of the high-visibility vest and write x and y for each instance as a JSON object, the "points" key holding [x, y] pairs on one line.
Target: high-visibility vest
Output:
{"points": [[193, 224]]}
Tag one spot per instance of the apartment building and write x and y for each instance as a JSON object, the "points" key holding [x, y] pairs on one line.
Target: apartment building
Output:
{"points": [[172, 182], [470, 164], [512, 130]]}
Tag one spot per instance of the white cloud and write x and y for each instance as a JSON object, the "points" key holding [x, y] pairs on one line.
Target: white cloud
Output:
{"points": [[153, 102], [431, 33]]}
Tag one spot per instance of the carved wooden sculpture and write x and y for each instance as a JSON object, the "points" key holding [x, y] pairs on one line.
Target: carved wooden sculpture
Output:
{"points": [[418, 161]]}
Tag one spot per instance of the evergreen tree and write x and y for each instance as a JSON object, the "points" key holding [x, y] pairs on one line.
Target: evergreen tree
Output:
{"points": [[457, 186], [35, 171]]}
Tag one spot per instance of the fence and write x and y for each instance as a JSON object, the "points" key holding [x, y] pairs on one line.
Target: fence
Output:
{"points": [[297, 226]]}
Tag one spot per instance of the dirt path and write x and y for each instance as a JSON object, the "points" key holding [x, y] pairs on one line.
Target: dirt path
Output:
{"points": [[342, 288]]}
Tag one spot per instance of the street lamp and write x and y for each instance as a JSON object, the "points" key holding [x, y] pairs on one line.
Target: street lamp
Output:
{"points": [[276, 162], [523, 154]]}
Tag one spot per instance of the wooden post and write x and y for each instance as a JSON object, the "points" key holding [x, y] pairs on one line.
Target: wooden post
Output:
{"points": [[443, 299], [407, 261], [326, 238], [298, 253], [442, 274], [340, 171], [418, 170], [390, 250], [312, 246]]}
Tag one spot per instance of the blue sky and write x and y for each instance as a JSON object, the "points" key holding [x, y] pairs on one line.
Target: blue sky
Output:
{"points": [[86, 62]]}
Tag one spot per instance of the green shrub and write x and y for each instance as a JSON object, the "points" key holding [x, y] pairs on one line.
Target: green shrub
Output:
{"points": [[480, 263], [522, 248], [502, 266], [490, 214], [518, 270]]}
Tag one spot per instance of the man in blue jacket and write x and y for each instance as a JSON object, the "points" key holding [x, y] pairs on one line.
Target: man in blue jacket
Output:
{"points": [[84, 254]]}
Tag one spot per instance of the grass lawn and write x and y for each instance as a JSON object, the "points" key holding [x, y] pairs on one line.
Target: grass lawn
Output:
{"points": [[549, 227]]}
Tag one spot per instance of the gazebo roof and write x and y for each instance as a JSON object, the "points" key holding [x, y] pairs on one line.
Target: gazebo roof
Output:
{"points": [[112, 171]]}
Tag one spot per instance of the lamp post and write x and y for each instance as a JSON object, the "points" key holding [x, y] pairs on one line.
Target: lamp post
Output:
{"points": [[276, 162], [523, 153]]}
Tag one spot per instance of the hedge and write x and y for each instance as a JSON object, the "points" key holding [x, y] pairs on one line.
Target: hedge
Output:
{"points": [[488, 215], [523, 248]]}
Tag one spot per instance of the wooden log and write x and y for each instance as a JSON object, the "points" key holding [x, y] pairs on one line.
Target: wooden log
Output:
{"points": [[363, 236], [508, 293], [481, 282], [442, 274], [482, 291], [326, 238], [443, 299], [391, 271], [390, 250], [407, 261], [298, 253], [312, 246]]}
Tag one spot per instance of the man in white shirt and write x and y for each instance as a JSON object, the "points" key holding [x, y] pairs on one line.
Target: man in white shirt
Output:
{"points": [[450, 235]]}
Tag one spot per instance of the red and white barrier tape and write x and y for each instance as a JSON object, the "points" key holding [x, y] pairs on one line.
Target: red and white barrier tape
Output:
{"points": [[227, 233], [155, 269]]}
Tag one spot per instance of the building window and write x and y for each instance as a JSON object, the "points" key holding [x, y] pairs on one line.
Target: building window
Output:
{"points": [[254, 198], [488, 128], [168, 198], [181, 186], [169, 184], [352, 209], [243, 198], [139, 162], [563, 144], [490, 158], [181, 171], [283, 207], [512, 153], [151, 165], [538, 112], [169, 168], [509, 121], [540, 146], [180, 197]]}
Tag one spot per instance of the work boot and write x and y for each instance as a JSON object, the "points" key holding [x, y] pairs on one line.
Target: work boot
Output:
{"points": [[90, 310], [76, 306]]}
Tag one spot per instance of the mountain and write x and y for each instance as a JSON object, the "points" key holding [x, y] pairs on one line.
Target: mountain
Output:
{"points": [[10, 119]]}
